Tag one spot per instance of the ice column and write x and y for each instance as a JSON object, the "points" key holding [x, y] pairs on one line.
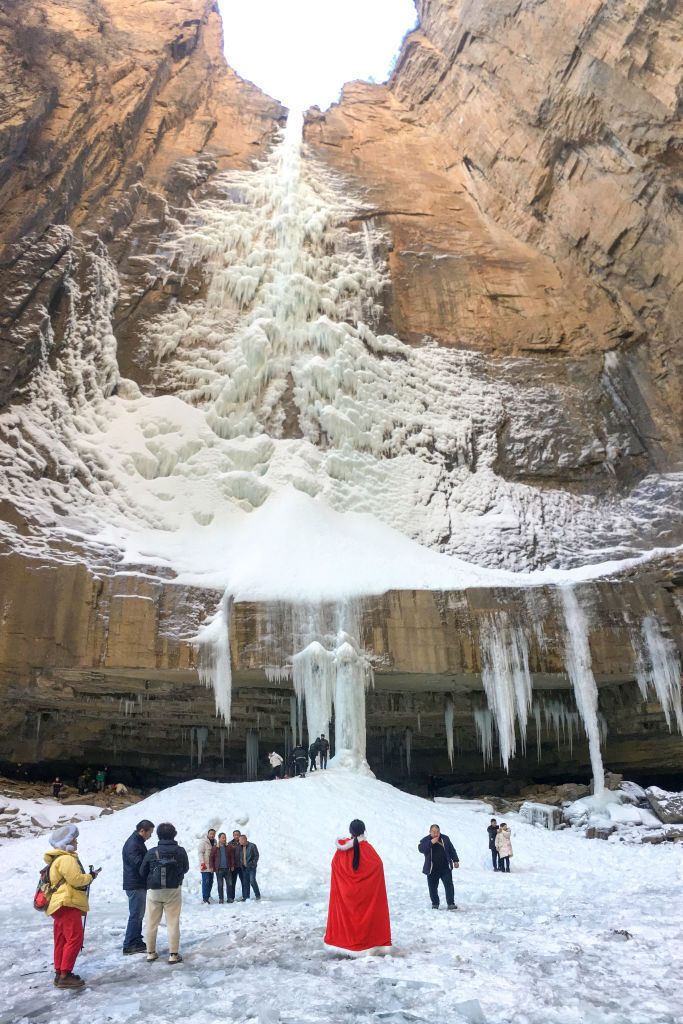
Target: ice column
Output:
{"points": [[580, 671], [506, 680], [214, 666], [314, 676], [449, 715], [658, 668], [408, 744], [353, 676]]}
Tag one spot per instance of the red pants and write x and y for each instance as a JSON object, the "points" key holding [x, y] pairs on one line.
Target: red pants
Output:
{"points": [[68, 934]]}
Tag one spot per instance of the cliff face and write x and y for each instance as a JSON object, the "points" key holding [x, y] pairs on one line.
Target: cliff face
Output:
{"points": [[113, 111], [525, 159]]}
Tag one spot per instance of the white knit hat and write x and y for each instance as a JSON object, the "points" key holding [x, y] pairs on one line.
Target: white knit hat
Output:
{"points": [[62, 838]]}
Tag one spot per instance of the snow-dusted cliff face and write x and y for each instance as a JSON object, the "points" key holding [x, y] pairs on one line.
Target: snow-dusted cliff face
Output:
{"points": [[227, 392]]}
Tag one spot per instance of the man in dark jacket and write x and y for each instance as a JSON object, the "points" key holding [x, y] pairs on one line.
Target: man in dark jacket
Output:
{"points": [[133, 854], [323, 747], [248, 860], [440, 859], [313, 752], [493, 832], [299, 761], [162, 871], [234, 844]]}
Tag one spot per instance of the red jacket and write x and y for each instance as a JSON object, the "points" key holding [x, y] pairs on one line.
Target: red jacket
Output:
{"points": [[215, 857]]}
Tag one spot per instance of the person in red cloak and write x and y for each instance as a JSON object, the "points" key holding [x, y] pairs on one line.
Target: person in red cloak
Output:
{"points": [[358, 914]]}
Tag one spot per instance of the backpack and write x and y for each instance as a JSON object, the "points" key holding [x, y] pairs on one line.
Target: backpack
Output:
{"points": [[164, 872], [44, 890]]}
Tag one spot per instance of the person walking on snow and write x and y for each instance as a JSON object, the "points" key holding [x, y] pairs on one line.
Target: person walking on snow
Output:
{"points": [[300, 761], [358, 914], [205, 847], [68, 903], [313, 752], [323, 748], [440, 858], [223, 861], [276, 763], [248, 861], [163, 870], [504, 847], [133, 853], [493, 832]]}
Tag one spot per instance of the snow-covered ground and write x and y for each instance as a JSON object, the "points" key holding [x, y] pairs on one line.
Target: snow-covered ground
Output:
{"points": [[580, 932], [33, 817]]}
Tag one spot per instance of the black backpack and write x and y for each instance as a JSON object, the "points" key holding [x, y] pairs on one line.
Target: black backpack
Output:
{"points": [[164, 872]]}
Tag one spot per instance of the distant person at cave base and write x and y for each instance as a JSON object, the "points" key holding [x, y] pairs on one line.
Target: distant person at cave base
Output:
{"points": [[276, 762], [440, 858], [504, 848], [492, 833], [133, 853], [313, 752], [323, 747], [205, 847], [358, 914]]}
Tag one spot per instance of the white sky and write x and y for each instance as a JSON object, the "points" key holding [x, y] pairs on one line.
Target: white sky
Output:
{"points": [[302, 51]]}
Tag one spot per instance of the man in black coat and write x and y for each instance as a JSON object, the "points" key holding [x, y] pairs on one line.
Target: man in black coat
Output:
{"points": [[440, 858], [313, 752], [493, 832], [323, 747], [133, 854]]}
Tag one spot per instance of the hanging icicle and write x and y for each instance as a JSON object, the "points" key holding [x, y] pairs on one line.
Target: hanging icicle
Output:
{"points": [[506, 680], [658, 669], [580, 671], [252, 754], [449, 718], [214, 666], [483, 720], [408, 744]]}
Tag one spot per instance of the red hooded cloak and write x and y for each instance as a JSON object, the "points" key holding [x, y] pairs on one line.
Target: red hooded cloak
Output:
{"points": [[358, 914]]}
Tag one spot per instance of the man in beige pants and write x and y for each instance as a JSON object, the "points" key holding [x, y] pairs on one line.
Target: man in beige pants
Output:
{"points": [[163, 870]]}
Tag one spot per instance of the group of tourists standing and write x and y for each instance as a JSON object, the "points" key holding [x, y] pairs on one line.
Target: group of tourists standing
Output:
{"points": [[226, 861], [301, 760], [358, 914]]}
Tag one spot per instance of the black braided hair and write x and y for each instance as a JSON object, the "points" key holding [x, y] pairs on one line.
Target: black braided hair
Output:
{"points": [[356, 828]]}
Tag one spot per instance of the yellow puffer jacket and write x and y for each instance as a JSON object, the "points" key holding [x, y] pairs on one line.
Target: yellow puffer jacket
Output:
{"points": [[65, 868]]}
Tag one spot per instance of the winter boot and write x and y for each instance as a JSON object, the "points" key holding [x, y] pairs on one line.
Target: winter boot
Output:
{"points": [[151, 956], [69, 980], [175, 958]]}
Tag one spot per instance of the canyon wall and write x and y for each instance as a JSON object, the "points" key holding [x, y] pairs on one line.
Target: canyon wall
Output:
{"points": [[524, 167], [526, 159]]}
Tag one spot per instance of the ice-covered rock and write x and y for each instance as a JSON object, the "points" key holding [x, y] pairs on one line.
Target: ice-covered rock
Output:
{"points": [[544, 815], [632, 793], [667, 806]]}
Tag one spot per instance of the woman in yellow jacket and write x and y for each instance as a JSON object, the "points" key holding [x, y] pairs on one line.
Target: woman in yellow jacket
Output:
{"points": [[68, 903]]}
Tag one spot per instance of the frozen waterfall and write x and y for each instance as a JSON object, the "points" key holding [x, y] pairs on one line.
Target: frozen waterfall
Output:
{"points": [[506, 680], [658, 669]]}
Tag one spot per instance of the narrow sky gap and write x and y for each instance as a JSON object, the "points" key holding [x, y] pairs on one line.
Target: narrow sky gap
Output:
{"points": [[301, 52]]}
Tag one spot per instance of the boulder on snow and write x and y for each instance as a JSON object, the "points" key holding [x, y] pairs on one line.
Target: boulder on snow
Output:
{"points": [[544, 815], [633, 793], [667, 806], [41, 821], [612, 780], [600, 831], [671, 835]]}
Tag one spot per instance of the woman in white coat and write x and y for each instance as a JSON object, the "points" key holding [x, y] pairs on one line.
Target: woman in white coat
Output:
{"points": [[504, 848]]}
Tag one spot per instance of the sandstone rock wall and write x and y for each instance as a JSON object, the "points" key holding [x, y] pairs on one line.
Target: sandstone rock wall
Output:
{"points": [[526, 158], [113, 110]]}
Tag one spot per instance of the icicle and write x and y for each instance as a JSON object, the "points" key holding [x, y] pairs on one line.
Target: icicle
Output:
{"points": [[293, 719], [580, 671], [278, 673], [658, 669], [223, 731], [252, 754], [449, 718], [537, 721], [506, 679], [201, 735], [483, 720], [408, 742], [419, 723], [214, 665]]}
